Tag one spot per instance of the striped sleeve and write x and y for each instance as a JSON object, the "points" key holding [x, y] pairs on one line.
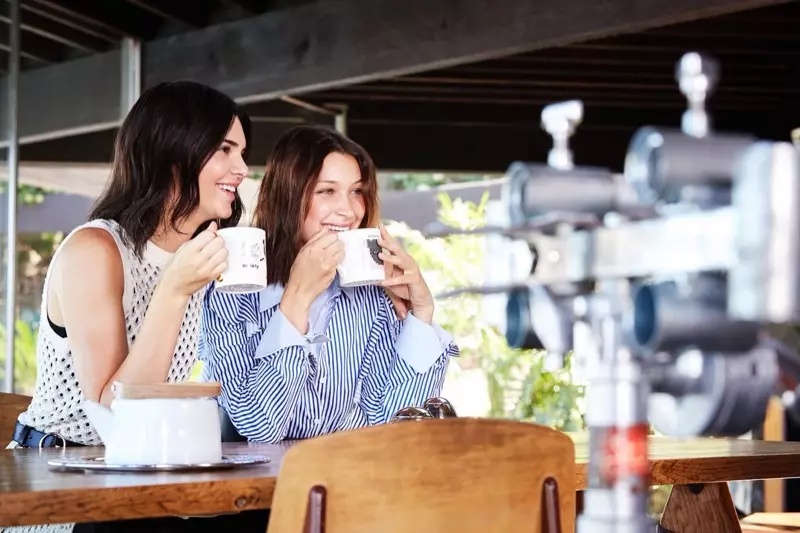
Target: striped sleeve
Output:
{"points": [[397, 377], [258, 393]]}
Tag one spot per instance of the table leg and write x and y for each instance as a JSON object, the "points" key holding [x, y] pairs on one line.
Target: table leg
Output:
{"points": [[700, 508]]}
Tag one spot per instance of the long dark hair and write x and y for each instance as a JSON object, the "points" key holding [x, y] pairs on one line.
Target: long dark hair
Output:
{"points": [[169, 135], [285, 193]]}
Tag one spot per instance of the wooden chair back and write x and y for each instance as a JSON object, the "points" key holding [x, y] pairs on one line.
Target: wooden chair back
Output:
{"points": [[11, 405], [456, 475]]}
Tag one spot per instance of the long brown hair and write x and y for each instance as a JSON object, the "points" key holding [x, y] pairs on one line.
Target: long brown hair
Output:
{"points": [[285, 193]]}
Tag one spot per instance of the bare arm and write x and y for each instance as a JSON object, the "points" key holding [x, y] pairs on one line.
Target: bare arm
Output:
{"points": [[89, 290]]}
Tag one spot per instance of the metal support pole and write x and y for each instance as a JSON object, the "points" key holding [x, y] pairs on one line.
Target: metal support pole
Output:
{"points": [[617, 496], [131, 86], [13, 170], [341, 121]]}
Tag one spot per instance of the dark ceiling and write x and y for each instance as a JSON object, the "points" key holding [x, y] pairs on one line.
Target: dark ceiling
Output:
{"points": [[480, 116], [59, 30]]}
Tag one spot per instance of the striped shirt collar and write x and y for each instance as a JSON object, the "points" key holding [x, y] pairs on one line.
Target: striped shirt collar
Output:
{"points": [[271, 296]]}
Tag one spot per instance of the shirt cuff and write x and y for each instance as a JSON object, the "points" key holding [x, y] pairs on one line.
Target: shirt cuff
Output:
{"points": [[420, 344], [280, 334]]}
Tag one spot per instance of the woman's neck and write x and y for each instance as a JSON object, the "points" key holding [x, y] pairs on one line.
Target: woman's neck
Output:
{"points": [[170, 239]]}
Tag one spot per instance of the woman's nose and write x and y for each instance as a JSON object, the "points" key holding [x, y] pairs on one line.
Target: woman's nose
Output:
{"points": [[240, 167], [345, 207]]}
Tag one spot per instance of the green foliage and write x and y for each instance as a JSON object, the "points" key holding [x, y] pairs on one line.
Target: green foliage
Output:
{"points": [[518, 384], [26, 194], [24, 357], [552, 398], [34, 252]]}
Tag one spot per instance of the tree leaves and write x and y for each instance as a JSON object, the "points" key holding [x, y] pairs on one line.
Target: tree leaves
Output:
{"points": [[518, 386]]}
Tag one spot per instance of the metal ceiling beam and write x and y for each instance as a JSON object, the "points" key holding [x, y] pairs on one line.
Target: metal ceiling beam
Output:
{"points": [[120, 18], [332, 43], [68, 98], [652, 59], [25, 62], [47, 28], [637, 93], [68, 21], [340, 42], [420, 113], [34, 47]]}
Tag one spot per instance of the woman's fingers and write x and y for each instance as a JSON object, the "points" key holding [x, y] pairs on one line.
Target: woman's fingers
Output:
{"points": [[338, 256], [213, 247], [219, 269], [405, 279], [393, 247], [400, 307], [317, 236], [388, 269], [389, 242], [393, 259], [326, 241]]}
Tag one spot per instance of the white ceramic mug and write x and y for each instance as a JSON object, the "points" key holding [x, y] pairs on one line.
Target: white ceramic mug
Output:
{"points": [[247, 263], [361, 265]]}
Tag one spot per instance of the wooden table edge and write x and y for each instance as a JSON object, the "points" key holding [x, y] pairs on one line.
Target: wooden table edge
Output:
{"points": [[205, 497], [713, 470], [124, 503]]}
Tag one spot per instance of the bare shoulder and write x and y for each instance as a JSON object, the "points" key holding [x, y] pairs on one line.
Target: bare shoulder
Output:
{"points": [[93, 254], [91, 241]]}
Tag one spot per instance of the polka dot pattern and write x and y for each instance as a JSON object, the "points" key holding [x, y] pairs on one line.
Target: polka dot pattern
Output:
{"points": [[56, 405]]}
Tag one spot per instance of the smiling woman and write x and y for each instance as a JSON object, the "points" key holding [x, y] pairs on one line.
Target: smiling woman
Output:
{"points": [[306, 356], [122, 295], [312, 173], [340, 175]]}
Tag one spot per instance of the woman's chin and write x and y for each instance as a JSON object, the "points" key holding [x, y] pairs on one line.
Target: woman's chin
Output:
{"points": [[223, 212]]}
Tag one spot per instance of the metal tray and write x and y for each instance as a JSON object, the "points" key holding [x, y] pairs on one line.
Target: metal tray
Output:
{"points": [[98, 463]]}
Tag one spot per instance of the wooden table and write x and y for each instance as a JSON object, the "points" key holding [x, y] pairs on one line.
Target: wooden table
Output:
{"points": [[31, 493]]}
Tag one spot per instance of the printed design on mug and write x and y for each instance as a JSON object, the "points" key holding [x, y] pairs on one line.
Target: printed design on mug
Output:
{"points": [[257, 251], [374, 250], [252, 253]]}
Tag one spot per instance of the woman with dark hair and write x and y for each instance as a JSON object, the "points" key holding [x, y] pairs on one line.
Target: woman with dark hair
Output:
{"points": [[123, 293], [306, 357]]}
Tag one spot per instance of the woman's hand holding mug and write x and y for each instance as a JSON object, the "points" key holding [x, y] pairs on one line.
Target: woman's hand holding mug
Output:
{"points": [[196, 263], [312, 272], [404, 278]]}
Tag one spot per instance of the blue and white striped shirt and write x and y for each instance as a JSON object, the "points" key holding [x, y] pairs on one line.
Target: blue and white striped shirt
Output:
{"points": [[357, 365]]}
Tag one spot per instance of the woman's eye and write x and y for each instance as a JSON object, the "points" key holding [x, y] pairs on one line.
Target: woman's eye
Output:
{"points": [[358, 192], [226, 149], [326, 191]]}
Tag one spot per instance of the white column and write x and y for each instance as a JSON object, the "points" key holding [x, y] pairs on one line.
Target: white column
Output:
{"points": [[13, 171]]}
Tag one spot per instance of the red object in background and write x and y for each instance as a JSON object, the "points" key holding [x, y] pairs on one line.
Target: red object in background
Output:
{"points": [[625, 454]]}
